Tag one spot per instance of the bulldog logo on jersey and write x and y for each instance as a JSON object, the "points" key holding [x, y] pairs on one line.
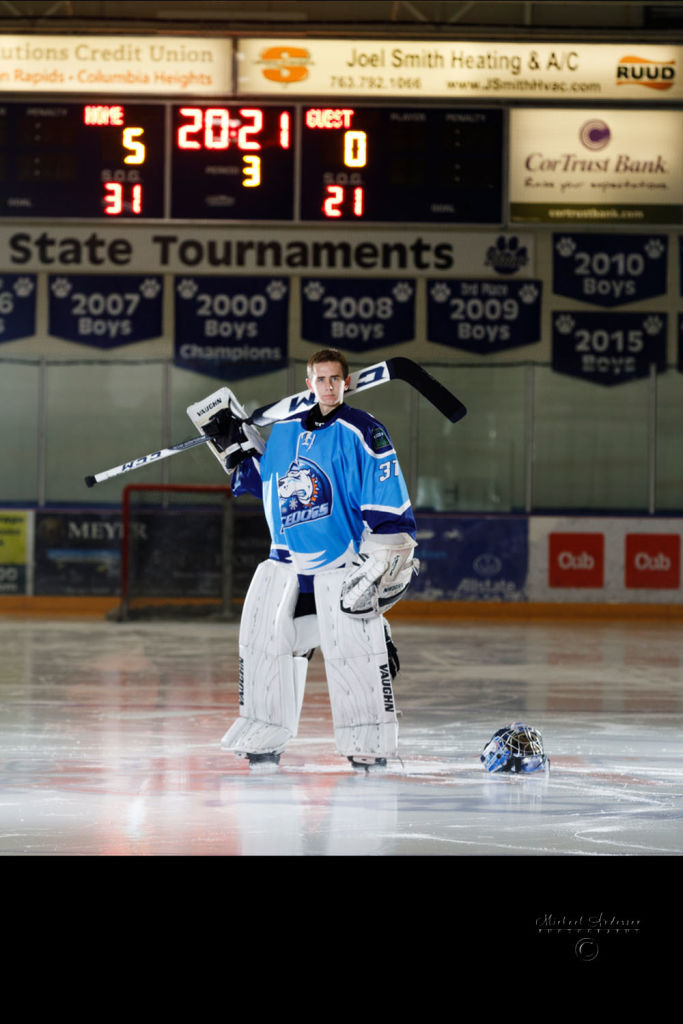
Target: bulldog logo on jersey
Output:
{"points": [[305, 494]]}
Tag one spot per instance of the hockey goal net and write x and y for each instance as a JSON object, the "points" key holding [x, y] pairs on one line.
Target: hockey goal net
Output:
{"points": [[177, 545]]}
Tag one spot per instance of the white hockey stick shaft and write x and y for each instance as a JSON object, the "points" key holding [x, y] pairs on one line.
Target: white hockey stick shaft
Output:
{"points": [[145, 460]]}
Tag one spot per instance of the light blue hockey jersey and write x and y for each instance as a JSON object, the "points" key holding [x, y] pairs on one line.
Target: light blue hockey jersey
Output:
{"points": [[322, 488]]}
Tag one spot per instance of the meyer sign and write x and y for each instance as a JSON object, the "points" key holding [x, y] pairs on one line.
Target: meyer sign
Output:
{"points": [[459, 69]]}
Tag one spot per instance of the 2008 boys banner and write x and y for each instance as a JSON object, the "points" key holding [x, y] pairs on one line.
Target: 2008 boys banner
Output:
{"points": [[357, 313]]}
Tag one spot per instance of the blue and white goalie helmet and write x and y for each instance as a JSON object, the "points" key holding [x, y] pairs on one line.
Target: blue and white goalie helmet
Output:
{"points": [[515, 748]]}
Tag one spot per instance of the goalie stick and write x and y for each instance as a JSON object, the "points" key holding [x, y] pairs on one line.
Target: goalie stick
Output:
{"points": [[398, 368]]}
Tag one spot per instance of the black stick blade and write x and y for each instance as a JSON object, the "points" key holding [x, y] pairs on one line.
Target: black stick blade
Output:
{"points": [[429, 387]]}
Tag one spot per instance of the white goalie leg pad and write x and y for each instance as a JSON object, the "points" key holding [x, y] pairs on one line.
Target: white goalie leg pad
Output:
{"points": [[272, 680], [358, 676]]}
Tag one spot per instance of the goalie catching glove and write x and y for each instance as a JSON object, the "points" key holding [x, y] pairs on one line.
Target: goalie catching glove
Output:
{"points": [[382, 578]]}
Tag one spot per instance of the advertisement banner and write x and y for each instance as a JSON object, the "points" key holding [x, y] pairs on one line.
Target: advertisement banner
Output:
{"points": [[608, 348], [77, 553], [471, 559], [466, 69], [357, 314], [17, 306], [595, 165], [265, 251], [231, 327], [120, 65], [105, 312], [16, 551], [604, 560], [610, 270], [484, 316]]}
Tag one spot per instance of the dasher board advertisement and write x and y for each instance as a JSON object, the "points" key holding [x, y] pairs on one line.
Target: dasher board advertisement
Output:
{"points": [[460, 69], [595, 166]]}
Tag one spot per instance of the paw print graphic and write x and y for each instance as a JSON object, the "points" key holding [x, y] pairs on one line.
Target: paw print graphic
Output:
{"points": [[654, 248], [187, 288], [566, 247], [150, 288], [565, 323], [23, 287], [276, 290], [402, 291], [440, 292], [507, 256], [528, 293], [314, 291], [653, 325], [61, 287]]}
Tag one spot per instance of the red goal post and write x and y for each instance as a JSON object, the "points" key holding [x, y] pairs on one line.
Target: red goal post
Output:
{"points": [[177, 545]]}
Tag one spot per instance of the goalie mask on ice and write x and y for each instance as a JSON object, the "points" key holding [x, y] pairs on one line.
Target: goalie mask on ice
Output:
{"points": [[515, 748]]}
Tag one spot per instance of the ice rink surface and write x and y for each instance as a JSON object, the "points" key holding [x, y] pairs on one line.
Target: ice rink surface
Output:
{"points": [[110, 746], [110, 752]]}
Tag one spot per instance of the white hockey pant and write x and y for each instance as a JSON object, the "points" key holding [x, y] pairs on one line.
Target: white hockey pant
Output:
{"points": [[273, 668]]}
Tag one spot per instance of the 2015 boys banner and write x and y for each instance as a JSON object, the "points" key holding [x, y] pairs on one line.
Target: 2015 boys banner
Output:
{"points": [[483, 316], [609, 348], [357, 314], [17, 306], [105, 311], [609, 270], [231, 327]]}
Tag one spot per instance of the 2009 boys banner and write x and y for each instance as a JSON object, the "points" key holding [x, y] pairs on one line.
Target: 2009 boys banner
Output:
{"points": [[231, 327], [483, 316], [357, 313], [609, 348]]}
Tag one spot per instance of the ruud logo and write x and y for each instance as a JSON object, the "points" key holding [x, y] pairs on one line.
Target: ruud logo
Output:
{"points": [[576, 560], [653, 561], [285, 64], [653, 74]]}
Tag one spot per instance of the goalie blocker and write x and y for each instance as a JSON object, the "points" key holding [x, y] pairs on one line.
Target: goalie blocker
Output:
{"points": [[221, 418]]}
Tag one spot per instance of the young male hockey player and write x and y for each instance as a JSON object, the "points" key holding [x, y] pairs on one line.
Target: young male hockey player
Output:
{"points": [[343, 537]]}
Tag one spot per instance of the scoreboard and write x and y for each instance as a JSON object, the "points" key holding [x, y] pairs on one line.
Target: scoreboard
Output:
{"points": [[243, 161]]}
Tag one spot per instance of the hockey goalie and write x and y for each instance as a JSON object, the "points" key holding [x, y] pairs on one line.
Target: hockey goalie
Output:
{"points": [[342, 554]]}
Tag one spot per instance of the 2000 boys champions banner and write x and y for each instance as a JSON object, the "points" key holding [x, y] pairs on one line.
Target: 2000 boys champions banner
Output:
{"points": [[231, 327]]}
